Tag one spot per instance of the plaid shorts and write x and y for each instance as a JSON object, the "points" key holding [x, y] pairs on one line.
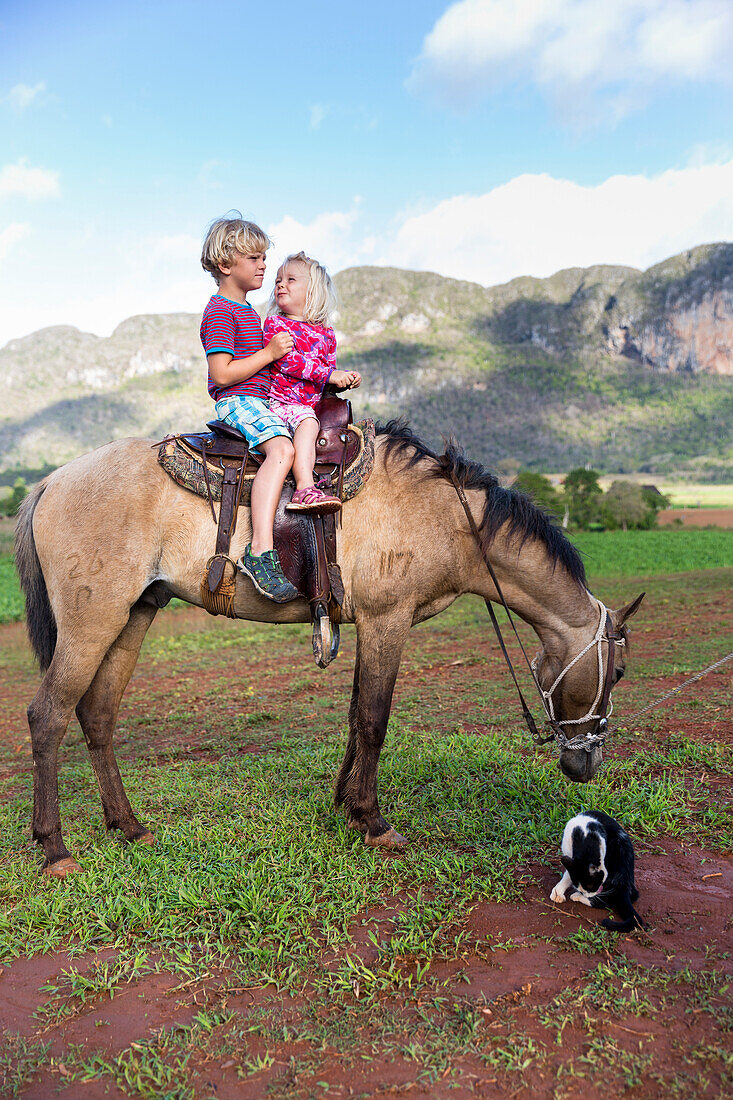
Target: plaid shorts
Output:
{"points": [[252, 417]]}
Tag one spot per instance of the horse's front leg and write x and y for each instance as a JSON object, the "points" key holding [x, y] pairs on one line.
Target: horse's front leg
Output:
{"points": [[380, 641]]}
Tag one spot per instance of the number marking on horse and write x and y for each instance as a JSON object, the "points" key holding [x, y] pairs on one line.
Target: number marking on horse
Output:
{"points": [[83, 596], [395, 561], [95, 565]]}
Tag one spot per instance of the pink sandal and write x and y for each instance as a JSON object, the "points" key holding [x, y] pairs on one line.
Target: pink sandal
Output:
{"points": [[313, 499]]}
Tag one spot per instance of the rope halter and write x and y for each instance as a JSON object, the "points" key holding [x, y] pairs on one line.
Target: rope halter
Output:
{"points": [[598, 736]]}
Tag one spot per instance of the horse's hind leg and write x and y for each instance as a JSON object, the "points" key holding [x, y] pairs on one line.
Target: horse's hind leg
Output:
{"points": [[97, 714], [74, 665], [380, 643]]}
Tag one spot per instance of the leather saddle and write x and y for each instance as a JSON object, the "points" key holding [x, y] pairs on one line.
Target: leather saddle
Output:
{"points": [[306, 543]]}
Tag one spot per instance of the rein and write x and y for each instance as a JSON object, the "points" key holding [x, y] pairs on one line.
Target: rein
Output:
{"points": [[605, 632]]}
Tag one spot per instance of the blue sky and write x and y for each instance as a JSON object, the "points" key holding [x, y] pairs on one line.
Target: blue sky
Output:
{"points": [[482, 139]]}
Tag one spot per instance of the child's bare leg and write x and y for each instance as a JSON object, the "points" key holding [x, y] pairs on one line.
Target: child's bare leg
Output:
{"points": [[304, 441], [267, 487]]}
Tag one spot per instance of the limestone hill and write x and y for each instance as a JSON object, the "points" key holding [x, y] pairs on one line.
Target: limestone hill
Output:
{"points": [[623, 369]]}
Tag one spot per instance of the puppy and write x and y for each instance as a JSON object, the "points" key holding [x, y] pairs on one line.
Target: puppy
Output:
{"points": [[598, 858]]}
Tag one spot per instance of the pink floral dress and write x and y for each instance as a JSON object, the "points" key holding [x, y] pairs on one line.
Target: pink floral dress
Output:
{"points": [[299, 377]]}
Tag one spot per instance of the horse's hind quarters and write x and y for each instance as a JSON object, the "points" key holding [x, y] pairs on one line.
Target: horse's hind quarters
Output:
{"points": [[62, 867]]}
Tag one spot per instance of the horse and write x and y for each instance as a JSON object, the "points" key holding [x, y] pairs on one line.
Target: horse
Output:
{"points": [[104, 541]]}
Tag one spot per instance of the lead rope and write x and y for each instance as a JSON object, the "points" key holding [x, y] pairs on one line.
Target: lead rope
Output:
{"points": [[669, 694]]}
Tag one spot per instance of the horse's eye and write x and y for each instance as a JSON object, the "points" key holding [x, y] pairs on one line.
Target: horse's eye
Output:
{"points": [[593, 869]]}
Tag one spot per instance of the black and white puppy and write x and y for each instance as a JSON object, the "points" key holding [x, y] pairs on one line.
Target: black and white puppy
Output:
{"points": [[598, 858]]}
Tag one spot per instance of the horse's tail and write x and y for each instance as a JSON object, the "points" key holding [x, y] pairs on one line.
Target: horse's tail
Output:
{"points": [[39, 615]]}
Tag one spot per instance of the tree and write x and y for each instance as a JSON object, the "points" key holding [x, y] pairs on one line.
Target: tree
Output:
{"points": [[20, 490], [540, 489], [624, 506], [583, 497]]}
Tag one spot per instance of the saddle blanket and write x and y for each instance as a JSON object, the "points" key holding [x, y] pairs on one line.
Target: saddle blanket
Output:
{"points": [[186, 469]]}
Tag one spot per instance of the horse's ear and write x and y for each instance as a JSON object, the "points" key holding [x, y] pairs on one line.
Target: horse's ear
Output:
{"points": [[625, 613]]}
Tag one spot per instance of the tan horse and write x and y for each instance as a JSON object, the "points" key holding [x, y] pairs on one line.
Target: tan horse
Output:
{"points": [[105, 541]]}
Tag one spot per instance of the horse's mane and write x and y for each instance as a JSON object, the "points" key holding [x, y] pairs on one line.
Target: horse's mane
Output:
{"points": [[502, 506]]}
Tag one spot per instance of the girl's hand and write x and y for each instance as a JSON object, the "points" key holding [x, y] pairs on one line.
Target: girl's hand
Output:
{"points": [[281, 344], [345, 379]]}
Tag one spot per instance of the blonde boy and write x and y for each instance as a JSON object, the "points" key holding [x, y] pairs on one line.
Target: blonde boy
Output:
{"points": [[239, 382]]}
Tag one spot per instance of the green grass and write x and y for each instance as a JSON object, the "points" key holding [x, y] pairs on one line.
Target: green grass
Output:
{"points": [[11, 597], [476, 810], [696, 495], [653, 553]]}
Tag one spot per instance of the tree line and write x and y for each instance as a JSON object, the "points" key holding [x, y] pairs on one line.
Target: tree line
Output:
{"points": [[582, 503]]}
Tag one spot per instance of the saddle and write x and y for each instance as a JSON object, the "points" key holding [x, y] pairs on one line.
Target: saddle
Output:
{"points": [[306, 543]]}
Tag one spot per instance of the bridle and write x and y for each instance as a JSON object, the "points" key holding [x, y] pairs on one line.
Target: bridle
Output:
{"points": [[606, 632], [600, 708]]}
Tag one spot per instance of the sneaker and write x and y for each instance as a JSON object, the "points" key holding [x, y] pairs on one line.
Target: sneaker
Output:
{"points": [[266, 574], [313, 500]]}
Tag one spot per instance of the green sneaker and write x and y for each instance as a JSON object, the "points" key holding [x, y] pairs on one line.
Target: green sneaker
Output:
{"points": [[266, 574]]}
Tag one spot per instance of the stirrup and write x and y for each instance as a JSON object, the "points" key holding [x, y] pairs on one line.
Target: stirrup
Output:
{"points": [[326, 637]]}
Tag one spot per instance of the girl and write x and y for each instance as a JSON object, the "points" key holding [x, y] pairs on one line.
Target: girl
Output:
{"points": [[301, 305]]}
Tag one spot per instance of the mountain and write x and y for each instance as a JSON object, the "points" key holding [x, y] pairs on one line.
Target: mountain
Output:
{"points": [[623, 369]]}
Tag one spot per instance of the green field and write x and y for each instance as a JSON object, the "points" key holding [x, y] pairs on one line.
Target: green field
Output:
{"points": [[682, 494], [695, 495]]}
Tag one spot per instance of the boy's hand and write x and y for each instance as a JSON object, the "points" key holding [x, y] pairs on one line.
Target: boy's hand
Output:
{"points": [[345, 379], [281, 344]]}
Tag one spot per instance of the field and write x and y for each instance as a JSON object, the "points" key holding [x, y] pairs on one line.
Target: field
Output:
{"points": [[693, 495], [258, 949], [682, 494]]}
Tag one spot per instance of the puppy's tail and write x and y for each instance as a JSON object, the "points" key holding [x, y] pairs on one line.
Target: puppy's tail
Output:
{"points": [[631, 921]]}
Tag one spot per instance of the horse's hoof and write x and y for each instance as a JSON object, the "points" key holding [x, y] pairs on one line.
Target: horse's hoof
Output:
{"points": [[146, 838], [62, 867], [391, 841]]}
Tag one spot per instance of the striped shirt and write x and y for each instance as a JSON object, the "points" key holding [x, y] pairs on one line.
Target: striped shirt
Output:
{"points": [[235, 328]]}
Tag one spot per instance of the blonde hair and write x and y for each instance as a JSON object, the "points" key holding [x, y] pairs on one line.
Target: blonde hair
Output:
{"points": [[227, 236], [320, 297]]}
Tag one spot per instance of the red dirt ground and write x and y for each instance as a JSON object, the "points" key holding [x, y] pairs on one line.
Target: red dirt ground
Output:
{"points": [[696, 517], [685, 896]]}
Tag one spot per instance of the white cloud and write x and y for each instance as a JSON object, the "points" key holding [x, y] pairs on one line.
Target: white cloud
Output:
{"points": [[29, 183], [531, 225], [10, 236], [575, 48], [22, 95], [317, 113], [536, 225], [334, 238]]}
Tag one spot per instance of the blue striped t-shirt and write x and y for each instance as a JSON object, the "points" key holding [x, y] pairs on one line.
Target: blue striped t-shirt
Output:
{"points": [[236, 328]]}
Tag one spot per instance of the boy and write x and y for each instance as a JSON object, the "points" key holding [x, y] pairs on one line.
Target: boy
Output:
{"points": [[239, 382]]}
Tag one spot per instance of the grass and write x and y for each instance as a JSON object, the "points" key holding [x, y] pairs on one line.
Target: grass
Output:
{"points": [[653, 553], [682, 494], [696, 495], [256, 883], [223, 827]]}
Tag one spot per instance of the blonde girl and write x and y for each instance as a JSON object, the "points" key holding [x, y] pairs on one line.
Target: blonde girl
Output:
{"points": [[302, 303]]}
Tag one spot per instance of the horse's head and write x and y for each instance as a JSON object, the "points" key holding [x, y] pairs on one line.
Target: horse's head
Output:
{"points": [[578, 688]]}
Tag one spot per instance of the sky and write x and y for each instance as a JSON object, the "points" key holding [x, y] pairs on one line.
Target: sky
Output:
{"points": [[482, 139]]}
